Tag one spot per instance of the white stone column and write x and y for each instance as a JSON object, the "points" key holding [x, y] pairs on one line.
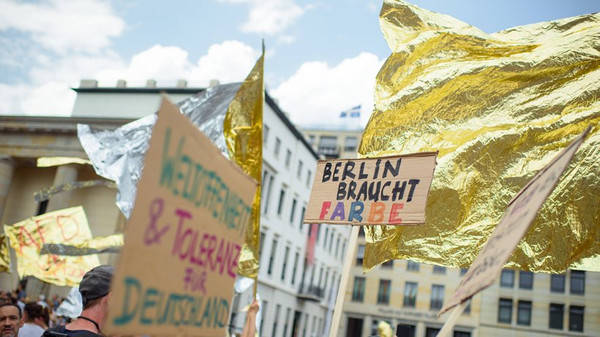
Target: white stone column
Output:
{"points": [[64, 174], [7, 168]]}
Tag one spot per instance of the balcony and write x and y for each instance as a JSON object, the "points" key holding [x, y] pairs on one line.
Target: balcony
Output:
{"points": [[311, 293]]}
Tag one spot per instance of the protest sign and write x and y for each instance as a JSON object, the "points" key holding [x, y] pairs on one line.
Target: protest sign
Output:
{"points": [[67, 226], [182, 243], [375, 191], [515, 222]]}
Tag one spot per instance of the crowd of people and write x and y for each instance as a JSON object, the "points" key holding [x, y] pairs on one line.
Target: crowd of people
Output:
{"points": [[37, 315], [20, 317]]}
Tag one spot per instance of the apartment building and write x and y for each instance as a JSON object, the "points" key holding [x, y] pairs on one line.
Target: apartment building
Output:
{"points": [[332, 142]]}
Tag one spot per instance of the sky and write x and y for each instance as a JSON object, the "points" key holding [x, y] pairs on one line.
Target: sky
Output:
{"points": [[321, 55]]}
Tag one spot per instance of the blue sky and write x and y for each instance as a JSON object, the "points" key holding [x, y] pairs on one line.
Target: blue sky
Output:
{"points": [[322, 55]]}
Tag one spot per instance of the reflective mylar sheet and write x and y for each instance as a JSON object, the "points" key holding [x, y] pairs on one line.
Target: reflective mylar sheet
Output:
{"points": [[118, 154], [243, 134], [4, 254], [498, 107]]}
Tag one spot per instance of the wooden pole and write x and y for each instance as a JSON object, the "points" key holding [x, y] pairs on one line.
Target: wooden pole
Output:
{"points": [[449, 325], [339, 303]]}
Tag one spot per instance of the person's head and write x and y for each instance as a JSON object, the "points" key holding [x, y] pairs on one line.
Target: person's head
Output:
{"points": [[32, 311], [10, 320], [95, 285]]}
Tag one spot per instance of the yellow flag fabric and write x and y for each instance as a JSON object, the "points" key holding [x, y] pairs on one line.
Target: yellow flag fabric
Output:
{"points": [[4, 254], [67, 226], [498, 107], [243, 134]]}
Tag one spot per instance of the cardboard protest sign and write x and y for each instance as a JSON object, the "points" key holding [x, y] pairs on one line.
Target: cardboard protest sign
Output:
{"points": [[178, 265], [515, 222], [68, 226], [375, 191]]}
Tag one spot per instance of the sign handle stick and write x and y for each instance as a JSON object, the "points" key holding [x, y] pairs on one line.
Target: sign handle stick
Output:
{"points": [[339, 302], [449, 325]]}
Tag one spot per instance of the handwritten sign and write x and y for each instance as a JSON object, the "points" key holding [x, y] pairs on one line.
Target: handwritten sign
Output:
{"points": [[183, 240], [515, 222], [68, 226], [387, 190]]}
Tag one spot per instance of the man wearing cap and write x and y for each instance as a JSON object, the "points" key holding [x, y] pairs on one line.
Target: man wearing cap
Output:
{"points": [[94, 289]]}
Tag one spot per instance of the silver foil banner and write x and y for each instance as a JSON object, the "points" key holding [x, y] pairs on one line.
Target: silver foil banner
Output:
{"points": [[118, 154]]}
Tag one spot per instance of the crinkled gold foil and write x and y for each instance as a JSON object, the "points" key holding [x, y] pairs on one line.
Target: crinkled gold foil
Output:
{"points": [[498, 107], [67, 226], [4, 254], [243, 134]]}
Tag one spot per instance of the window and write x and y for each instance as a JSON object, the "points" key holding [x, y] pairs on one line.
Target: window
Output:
{"points": [[577, 282], [288, 158], [461, 334], [358, 292], [308, 178], [325, 237], [268, 195], [410, 295], [287, 321], [557, 314], [261, 243], [388, 264], [302, 216], [277, 147], [414, 266], [360, 254], [525, 280], [505, 311], [557, 283], [383, 296], [337, 246], [300, 164], [265, 135], [350, 144], [431, 332], [328, 145], [524, 313], [264, 315], [311, 139], [507, 278], [281, 198], [286, 255], [439, 270], [330, 241], [463, 271], [344, 249], [576, 318], [296, 258], [293, 211], [437, 297], [277, 309], [468, 307], [272, 257]]}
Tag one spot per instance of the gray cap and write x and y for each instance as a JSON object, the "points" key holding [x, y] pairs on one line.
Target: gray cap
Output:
{"points": [[96, 283]]}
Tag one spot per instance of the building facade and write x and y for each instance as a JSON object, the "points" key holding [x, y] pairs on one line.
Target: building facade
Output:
{"points": [[297, 295]]}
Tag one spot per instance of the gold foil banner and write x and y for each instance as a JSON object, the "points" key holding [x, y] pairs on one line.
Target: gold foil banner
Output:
{"points": [[46, 193], [57, 161], [4, 254], [498, 107], [66, 226], [97, 245], [243, 134]]}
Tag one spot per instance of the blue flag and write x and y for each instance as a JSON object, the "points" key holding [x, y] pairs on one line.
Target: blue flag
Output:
{"points": [[353, 112]]}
